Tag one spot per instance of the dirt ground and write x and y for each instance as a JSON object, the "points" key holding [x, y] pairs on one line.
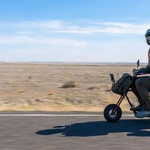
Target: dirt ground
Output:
{"points": [[38, 87]]}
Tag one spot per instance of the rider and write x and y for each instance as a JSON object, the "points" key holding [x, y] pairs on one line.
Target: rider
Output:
{"points": [[141, 87]]}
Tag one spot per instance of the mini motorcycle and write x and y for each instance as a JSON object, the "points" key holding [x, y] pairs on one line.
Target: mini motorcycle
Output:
{"points": [[113, 112]]}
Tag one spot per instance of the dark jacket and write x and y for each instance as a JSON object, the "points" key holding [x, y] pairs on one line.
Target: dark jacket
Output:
{"points": [[144, 70]]}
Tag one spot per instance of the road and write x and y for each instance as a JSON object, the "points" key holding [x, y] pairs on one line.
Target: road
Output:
{"points": [[62, 131]]}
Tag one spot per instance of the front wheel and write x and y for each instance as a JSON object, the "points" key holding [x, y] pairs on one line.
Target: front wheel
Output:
{"points": [[111, 115]]}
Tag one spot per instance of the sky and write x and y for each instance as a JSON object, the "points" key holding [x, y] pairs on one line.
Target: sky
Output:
{"points": [[73, 30]]}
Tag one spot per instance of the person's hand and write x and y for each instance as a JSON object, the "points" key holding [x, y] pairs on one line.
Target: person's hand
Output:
{"points": [[134, 72]]}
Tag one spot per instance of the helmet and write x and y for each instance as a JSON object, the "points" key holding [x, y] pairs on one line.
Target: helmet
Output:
{"points": [[146, 35]]}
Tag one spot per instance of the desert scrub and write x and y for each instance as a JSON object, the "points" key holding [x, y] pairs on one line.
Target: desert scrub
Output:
{"points": [[93, 87], [70, 84]]}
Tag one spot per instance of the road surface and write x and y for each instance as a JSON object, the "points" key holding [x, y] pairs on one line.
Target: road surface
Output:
{"points": [[72, 131]]}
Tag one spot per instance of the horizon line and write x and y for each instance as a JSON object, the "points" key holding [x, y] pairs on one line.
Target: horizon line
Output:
{"points": [[72, 62]]}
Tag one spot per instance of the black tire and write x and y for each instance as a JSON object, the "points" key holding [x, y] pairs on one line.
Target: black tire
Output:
{"points": [[112, 117]]}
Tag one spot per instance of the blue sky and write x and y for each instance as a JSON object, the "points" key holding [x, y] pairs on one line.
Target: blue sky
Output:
{"points": [[74, 31]]}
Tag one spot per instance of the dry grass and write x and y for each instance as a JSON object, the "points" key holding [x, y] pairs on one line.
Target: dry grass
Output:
{"points": [[70, 84], [20, 91], [51, 93], [93, 87], [25, 86]]}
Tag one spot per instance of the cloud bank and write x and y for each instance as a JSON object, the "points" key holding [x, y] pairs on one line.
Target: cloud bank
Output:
{"points": [[83, 41]]}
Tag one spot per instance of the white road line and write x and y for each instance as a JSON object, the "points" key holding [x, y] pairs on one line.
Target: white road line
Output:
{"points": [[57, 115]]}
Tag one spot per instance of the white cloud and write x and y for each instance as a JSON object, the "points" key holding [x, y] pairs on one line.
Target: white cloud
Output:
{"points": [[24, 32], [34, 40], [81, 27], [108, 51], [74, 31], [54, 24], [61, 41], [109, 27]]}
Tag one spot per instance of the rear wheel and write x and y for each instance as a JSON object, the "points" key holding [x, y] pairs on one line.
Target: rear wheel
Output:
{"points": [[111, 115]]}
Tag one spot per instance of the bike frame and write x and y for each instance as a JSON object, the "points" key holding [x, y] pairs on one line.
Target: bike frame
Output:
{"points": [[120, 101]]}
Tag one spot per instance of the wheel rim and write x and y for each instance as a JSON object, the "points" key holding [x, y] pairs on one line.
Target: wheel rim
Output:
{"points": [[112, 115]]}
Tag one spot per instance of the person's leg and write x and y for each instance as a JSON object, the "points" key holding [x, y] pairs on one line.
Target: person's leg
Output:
{"points": [[134, 90], [143, 86]]}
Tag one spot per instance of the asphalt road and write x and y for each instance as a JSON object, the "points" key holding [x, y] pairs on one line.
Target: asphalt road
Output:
{"points": [[73, 132]]}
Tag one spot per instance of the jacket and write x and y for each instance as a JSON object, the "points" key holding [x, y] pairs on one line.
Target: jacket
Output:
{"points": [[144, 70]]}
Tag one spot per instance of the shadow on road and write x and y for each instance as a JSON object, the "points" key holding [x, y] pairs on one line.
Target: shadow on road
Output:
{"points": [[131, 127]]}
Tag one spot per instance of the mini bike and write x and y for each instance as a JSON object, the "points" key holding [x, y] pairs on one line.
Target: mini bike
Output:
{"points": [[113, 112]]}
